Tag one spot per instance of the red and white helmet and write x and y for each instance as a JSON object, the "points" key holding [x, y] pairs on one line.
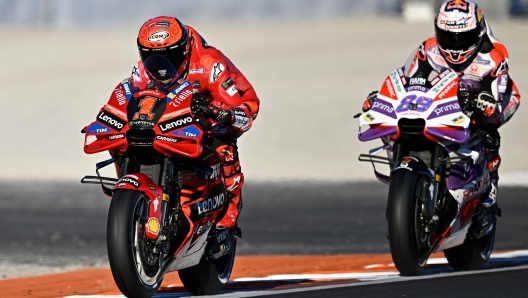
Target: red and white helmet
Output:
{"points": [[459, 28], [162, 40]]}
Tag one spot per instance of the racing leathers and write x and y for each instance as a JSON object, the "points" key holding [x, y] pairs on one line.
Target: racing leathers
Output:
{"points": [[487, 94], [227, 94]]}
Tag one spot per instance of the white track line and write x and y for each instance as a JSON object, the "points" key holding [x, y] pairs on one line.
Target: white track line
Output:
{"points": [[366, 278]]}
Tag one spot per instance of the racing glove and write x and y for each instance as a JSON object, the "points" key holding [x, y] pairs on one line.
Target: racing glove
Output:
{"points": [[370, 99], [203, 108], [486, 103], [483, 102], [491, 137]]}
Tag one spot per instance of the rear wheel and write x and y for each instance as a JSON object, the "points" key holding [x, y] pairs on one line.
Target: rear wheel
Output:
{"points": [[134, 262], [473, 253], [409, 235], [209, 276]]}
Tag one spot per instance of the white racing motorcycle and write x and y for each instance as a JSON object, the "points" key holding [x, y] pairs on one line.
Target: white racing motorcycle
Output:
{"points": [[438, 173]]}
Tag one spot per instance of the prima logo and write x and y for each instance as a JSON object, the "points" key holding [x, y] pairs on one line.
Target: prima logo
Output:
{"points": [[380, 106], [447, 109]]}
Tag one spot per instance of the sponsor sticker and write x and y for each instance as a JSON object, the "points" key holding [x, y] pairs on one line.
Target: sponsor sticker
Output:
{"points": [[167, 139], [190, 131], [98, 128], [227, 83], [175, 113], [175, 123], [153, 225], [216, 71], [197, 70], [111, 120], [120, 97], [129, 180], [115, 111], [232, 90], [118, 136], [158, 36]]}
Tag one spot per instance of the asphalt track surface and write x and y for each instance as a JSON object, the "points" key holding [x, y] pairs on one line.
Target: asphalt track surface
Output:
{"points": [[487, 284], [58, 224], [65, 223]]}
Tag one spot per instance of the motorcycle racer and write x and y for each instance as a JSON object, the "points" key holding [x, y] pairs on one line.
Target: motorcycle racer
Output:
{"points": [[464, 43], [223, 98]]}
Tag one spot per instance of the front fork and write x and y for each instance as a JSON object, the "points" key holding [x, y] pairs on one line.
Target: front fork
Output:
{"points": [[430, 191]]}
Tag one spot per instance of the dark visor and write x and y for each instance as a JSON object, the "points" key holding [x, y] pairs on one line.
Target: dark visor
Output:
{"points": [[457, 41], [160, 68]]}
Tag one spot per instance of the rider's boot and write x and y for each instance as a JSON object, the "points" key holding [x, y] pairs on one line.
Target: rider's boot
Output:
{"points": [[490, 210]]}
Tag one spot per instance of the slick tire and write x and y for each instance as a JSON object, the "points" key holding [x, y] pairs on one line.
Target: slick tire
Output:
{"points": [[209, 276], [122, 248], [402, 215], [472, 254]]}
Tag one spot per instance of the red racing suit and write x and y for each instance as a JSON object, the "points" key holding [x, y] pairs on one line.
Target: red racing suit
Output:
{"points": [[488, 72], [213, 74]]}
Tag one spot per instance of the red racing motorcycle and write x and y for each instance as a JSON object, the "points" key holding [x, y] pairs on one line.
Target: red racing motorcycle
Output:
{"points": [[169, 195]]}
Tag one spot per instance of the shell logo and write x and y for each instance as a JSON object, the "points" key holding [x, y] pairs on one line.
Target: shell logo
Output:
{"points": [[153, 226], [158, 36]]}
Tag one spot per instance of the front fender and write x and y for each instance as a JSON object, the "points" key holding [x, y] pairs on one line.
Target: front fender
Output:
{"points": [[143, 183], [413, 164]]}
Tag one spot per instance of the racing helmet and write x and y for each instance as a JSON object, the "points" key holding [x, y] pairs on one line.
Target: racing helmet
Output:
{"points": [[459, 28], [163, 39]]}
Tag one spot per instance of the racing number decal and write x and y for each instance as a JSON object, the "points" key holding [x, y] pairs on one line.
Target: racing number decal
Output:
{"points": [[413, 102], [146, 104]]}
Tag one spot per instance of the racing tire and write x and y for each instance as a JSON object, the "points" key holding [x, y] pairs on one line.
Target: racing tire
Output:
{"points": [[209, 276], [409, 244], [135, 272], [472, 254]]}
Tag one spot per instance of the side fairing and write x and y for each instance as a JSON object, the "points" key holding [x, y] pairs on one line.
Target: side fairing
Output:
{"points": [[108, 132]]}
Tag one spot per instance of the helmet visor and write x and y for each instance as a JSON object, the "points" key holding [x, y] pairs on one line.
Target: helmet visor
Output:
{"points": [[160, 69], [457, 41]]}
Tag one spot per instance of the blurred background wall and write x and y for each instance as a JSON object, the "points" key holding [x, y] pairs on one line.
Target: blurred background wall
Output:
{"points": [[312, 63], [121, 13]]}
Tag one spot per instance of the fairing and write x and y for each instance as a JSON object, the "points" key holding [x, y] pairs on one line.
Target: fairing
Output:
{"points": [[167, 115], [435, 101]]}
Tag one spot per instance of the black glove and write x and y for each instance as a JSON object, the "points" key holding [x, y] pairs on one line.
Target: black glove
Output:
{"points": [[200, 109], [491, 137], [465, 98], [370, 99], [203, 108], [483, 102]]}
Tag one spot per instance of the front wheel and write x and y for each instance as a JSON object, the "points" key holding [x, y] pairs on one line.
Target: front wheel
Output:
{"points": [[409, 235], [134, 260], [209, 276]]}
